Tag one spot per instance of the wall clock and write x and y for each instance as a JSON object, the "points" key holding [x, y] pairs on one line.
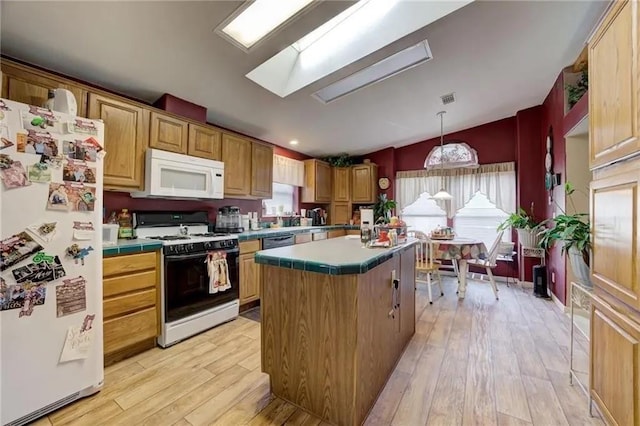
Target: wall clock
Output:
{"points": [[384, 183]]}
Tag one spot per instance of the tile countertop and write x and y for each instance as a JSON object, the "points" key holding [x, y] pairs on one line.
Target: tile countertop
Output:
{"points": [[336, 256], [131, 246], [274, 232]]}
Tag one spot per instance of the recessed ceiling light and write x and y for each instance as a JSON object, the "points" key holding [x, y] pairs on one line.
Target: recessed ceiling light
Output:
{"points": [[293, 142], [260, 18]]}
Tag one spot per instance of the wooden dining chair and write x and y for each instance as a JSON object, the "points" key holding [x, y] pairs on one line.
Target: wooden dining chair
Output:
{"points": [[490, 262], [426, 264]]}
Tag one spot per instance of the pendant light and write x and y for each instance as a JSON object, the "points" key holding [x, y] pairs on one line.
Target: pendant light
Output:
{"points": [[442, 194]]}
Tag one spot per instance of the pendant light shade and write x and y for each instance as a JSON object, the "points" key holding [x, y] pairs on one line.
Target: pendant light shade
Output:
{"points": [[442, 194]]}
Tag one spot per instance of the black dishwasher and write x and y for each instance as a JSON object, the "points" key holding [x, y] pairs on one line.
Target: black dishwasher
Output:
{"points": [[279, 241]]}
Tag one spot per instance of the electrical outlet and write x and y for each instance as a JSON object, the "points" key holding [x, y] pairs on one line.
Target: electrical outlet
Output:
{"points": [[553, 278], [393, 276]]}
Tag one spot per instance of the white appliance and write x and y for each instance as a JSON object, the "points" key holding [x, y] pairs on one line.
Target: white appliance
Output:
{"points": [[171, 175], [50, 295], [189, 306], [366, 215]]}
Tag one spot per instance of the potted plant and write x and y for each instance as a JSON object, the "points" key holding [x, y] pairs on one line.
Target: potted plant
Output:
{"points": [[575, 92], [525, 225], [574, 232], [382, 209]]}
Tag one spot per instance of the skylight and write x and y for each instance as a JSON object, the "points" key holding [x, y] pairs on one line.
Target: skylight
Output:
{"points": [[323, 29], [261, 18]]}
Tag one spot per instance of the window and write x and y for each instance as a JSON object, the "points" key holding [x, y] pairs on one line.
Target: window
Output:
{"points": [[424, 214], [281, 201], [479, 219]]}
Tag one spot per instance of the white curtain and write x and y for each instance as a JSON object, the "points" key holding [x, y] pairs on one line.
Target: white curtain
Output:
{"points": [[496, 181], [288, 171]]}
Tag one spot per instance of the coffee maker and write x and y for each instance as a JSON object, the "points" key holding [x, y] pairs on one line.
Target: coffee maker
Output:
{"points": [[229, 220], [317, 216]]}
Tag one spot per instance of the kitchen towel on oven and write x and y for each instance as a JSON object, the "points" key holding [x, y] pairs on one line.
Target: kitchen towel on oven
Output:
{"points": [[218, 271]]}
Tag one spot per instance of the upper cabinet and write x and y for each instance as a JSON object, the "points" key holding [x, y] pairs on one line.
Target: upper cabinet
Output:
{"points": [[205, 142], [364, 181], [261, 170], [168, 133], [317, 182], [236, 155], [341, 184], [613, 86], [126, 136], [22, 84]]}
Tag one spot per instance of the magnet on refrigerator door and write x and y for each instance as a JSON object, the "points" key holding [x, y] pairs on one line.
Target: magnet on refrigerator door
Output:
{"points": [[71, 297]]}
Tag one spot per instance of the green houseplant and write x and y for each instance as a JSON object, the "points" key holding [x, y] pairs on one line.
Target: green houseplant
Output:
{"points": [[575, 92], [573, 231], [525, 225], [343, 160], [382, 209]]}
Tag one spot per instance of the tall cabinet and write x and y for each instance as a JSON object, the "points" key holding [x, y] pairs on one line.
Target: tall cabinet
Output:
{"points": [[614, 150]]}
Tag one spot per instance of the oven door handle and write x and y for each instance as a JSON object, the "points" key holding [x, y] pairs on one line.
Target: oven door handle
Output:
{"points": [[174, 257]]}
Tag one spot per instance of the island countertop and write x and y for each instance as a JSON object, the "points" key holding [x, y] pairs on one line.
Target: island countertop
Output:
{"points": [[336, 256]]}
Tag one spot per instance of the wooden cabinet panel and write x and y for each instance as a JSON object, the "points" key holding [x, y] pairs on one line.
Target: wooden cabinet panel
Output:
{"points": [[127, 330], [261, 170], [236, 155], [168, 133], [249, 246], [249, 279], [613, 85], [364, 179], [126, 136], [129, 263], [342, 184], [615, 217], [407, 294], [319, 236], [336, 233], [32, 87], [615, 364], [317, 182], [131, 282], [126, 303], [303, 238], [205, 142], [340, 213]]}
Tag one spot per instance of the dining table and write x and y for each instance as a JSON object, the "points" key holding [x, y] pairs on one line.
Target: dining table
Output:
{"points": [[460, 250]]}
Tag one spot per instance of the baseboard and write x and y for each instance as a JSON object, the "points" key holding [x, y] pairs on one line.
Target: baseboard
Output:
{"points": [[560, 305]]}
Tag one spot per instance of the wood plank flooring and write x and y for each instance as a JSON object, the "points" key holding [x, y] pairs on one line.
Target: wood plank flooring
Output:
{"points": [[475, 362]]}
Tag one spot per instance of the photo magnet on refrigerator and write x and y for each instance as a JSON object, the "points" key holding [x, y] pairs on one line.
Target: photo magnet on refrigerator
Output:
{"points": [[74, 251], [44, 231], [71, 297]]}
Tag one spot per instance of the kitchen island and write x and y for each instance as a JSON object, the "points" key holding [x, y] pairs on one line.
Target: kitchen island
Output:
{"points": [[336, 318]]}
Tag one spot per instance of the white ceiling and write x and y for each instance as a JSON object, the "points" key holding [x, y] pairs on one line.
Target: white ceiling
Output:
{"points": [[497, 56]]}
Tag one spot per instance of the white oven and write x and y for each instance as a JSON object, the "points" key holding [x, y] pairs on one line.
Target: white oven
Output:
{"points": [[171, 175]]}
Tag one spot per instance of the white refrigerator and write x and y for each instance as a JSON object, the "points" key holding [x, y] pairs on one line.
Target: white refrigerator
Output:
{"points": [[51, 350]]}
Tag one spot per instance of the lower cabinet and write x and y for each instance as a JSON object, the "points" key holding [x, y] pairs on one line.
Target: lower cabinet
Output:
{"points": [[131, 304], [303, 238], [615, 364], [335, 233], [249, 272], [319, 236]]}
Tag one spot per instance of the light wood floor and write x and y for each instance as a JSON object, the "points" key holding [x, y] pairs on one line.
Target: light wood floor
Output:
{"points": [[480, 361]]}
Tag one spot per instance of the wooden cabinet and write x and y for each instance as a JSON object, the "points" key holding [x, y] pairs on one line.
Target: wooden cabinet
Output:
{"points": [[168, 133], [615, 220], [317, 182], [316, 236], [340, 213], [261, 170], [364, 181], [614, 94], [336, 233], [29, 86], [204, 142], [615, 367], [236, 155], [249, 272], [303, 238], [126, 136], [131, 295], [341, 184]]}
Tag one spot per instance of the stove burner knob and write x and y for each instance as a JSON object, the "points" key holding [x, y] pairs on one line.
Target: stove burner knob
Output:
{"points": [[208, 244], [191, 247]]}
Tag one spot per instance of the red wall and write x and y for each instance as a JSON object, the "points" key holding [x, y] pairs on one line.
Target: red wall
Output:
{"points": [[385, 159], [553, 118], [119, 200]]}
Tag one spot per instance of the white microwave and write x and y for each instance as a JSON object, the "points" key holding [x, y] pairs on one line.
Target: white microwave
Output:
{"points": [[171, 175]]}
